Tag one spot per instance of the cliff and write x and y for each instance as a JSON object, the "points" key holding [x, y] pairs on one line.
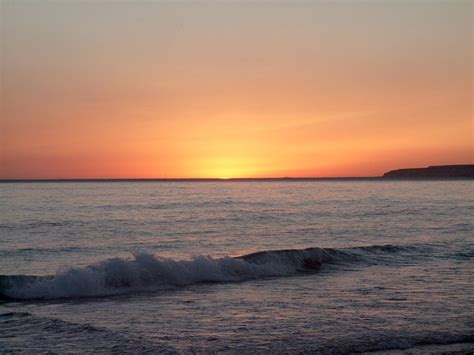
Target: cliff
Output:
{"points": [[433, 172]]}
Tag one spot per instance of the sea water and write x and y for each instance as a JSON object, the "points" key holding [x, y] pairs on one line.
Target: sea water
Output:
{"points": [[237, 266]]}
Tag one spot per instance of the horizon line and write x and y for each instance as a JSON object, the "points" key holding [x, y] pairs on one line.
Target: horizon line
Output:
{"points": [[189, 179], [283, 178], [295, 179]]}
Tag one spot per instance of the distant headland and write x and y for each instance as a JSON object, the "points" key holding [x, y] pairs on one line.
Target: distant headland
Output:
{"points": [[433, 172]]}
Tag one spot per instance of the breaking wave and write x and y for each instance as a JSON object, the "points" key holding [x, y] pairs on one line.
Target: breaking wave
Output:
{"points": [[147, 272]]}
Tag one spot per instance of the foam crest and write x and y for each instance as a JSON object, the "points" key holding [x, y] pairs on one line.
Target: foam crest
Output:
{"points": [[147, 272]]}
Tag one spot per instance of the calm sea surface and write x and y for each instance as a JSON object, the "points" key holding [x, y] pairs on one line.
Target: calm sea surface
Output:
{"points": [[261, 266]]}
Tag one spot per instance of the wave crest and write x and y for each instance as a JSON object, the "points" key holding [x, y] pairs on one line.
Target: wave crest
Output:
{"points": [[149, 272]]}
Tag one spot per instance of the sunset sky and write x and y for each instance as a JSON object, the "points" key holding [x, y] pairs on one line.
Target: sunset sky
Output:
{"points": [[130, 89]]}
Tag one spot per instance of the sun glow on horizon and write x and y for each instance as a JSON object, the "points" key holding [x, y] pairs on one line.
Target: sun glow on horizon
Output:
{"points": [[227, 167]]}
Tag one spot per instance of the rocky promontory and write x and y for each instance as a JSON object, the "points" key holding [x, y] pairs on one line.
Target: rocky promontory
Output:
{"points": [[433, 172]]}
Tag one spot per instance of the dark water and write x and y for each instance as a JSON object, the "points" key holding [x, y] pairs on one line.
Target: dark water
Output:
{"points": [[194, 266]]}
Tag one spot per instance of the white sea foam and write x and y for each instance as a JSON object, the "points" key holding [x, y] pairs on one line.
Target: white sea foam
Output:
{"points": [[146, 271], [149, 272], [143, 272]]}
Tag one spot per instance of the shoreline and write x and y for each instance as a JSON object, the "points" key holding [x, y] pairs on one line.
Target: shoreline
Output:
{"points": [[453, 348]]}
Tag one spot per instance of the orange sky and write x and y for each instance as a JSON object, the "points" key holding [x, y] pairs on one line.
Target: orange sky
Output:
{"points": [[99, 89]]}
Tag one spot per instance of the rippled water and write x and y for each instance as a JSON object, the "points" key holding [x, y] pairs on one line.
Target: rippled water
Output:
{"points": [[194, 266]]}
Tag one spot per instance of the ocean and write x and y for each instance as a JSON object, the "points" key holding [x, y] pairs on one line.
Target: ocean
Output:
{"points": [[284, 266]]}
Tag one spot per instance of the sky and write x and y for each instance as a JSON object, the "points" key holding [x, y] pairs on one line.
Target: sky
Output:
{"points": [[214, 89]]}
